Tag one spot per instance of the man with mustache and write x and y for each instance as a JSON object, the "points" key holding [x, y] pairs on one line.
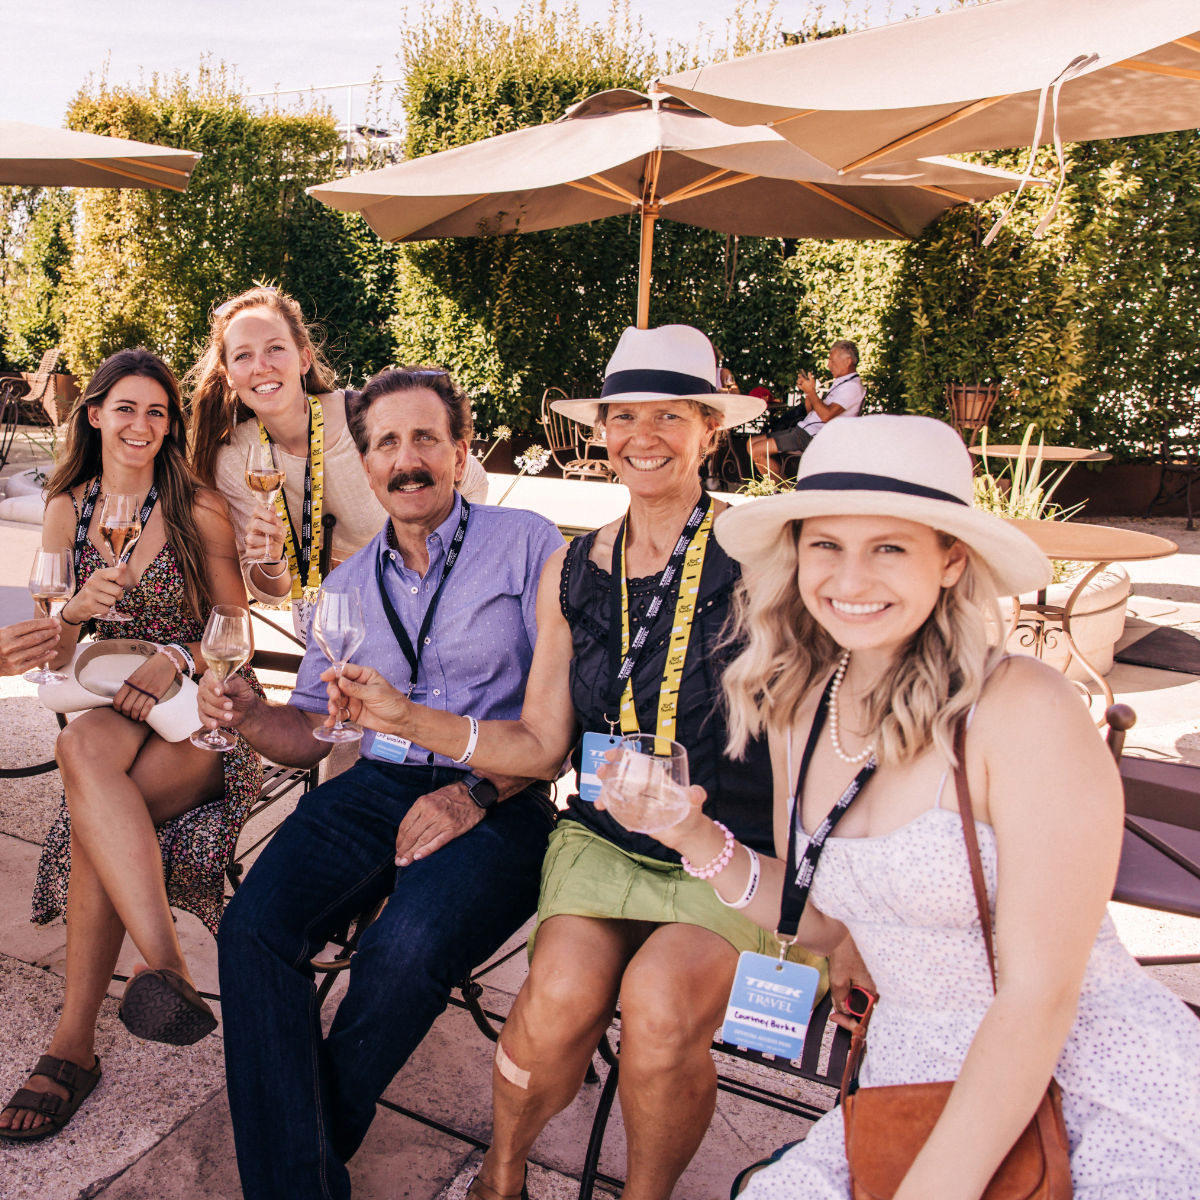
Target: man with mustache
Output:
{"points": [[449, 593]]}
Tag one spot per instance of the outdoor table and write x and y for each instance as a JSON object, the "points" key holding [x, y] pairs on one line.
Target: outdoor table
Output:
{"points": [[1067, 454], [1098, 544]]}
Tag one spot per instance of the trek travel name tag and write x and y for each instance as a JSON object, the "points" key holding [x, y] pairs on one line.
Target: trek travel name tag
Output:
{"points": [[595, 746], [770, 1004], [390, 748]]}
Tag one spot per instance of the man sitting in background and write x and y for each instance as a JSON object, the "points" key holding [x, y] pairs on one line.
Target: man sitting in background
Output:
{"points": [[844, 396]]}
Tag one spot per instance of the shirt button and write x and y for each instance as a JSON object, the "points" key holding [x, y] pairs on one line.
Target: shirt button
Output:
{"points": [[392, 555], [427, 641], [414, 591]]}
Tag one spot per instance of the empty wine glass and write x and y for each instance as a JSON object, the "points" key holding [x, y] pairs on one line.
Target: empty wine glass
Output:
{"points": [[647, 791], [52, 582], [265, 476], [120, 528], [339, 629], [227, 644]]}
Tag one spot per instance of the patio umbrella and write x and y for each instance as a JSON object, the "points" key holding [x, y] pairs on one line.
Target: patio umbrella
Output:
{"points": [[34, 156], [975, 78], [622, 151]]}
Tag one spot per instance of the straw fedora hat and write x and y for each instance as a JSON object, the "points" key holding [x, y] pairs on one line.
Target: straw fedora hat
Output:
{"points": [[673, 362], [910, 467]]}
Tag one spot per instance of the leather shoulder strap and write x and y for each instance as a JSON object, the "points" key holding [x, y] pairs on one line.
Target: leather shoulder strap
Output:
{"points": [[969, 836]]}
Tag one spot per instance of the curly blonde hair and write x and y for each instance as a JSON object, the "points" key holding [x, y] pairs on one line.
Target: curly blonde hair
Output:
{"points": [[786, 652]]}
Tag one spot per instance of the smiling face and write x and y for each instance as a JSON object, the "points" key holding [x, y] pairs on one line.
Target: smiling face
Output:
{"points": [[412, 460], [133, 419], [263, 364], [656, 446], [872, 582]]}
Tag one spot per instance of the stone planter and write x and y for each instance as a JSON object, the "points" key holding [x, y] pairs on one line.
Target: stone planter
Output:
{"points": [[1097, 622]]}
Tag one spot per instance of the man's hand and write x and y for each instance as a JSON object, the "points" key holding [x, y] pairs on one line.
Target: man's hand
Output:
{"points": [[362, 695], [808, 385], [434, 820], [226, 703], [847, 970], [28, 644]]}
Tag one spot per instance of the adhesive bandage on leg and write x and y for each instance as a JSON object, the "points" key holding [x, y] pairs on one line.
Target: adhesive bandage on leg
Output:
{"points": [[510, 1070]]}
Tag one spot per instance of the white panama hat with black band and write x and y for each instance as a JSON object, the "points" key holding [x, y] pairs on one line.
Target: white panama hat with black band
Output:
{"points": [[673, 362], [915, 468]]}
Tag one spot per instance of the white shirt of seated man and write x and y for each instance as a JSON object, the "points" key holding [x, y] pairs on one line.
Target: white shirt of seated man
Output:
{"points": [[843, 397]]}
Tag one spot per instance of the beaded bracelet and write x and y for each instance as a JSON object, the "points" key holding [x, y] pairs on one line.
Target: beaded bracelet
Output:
{"points": [[719, 863], [186, 655], [751, 884]]}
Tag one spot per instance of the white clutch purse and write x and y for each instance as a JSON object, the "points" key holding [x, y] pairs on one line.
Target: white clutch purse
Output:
{"points": [[97, 671]]}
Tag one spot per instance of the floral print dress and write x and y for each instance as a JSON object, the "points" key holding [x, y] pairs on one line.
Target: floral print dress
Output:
{"points": [[196, 845]]}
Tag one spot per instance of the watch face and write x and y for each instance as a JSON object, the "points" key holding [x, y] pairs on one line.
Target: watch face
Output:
{"points": [[484, 793]]}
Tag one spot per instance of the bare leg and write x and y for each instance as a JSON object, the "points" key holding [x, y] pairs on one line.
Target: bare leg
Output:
{"points": [[122, 781], [673, 997], [762, 446], [552, 1032]]}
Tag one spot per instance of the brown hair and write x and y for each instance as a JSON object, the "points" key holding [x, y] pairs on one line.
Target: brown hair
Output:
{"points": [[409, 379], [215, 406], [82, 460]]}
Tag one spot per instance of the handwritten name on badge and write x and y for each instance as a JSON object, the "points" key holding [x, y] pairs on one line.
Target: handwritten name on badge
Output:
{"points": [[769, 1005]]}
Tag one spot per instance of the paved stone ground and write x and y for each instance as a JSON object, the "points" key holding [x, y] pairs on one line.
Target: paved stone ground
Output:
{"points": [[158, 1125]]}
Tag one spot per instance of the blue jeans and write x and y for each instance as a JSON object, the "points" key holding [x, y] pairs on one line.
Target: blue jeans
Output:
{"points": [[302, 1104]]}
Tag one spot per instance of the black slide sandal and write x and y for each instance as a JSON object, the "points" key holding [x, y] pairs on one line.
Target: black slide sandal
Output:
{"points": [[161, 1006]]}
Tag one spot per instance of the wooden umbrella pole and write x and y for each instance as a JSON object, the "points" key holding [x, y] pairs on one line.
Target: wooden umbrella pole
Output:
{"points": [[650, 210]]}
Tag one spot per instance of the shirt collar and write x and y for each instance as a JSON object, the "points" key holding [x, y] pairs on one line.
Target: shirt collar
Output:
{"points": [[443, 533]]}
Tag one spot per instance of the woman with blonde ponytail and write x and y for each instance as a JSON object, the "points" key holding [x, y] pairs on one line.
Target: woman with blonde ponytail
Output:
{"points": [[891, 722], [263, 377]]}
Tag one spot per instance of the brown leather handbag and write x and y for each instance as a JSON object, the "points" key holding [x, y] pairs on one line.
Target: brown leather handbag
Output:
{"points": [[887, 1126]]}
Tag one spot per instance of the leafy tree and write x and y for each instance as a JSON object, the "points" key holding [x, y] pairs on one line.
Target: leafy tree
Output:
{"points": [[34, 318]]}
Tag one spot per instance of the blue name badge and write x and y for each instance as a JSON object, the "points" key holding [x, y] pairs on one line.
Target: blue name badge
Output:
{"points": [[390, 748], [595, 747], [770, 1004]]}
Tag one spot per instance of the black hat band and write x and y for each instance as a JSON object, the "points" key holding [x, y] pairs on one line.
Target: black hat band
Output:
{"points": [[671, 383], [854, 481]]}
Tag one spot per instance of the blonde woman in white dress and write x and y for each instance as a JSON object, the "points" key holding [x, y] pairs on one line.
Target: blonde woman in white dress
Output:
{"points": [[263, 364], [871, 589]]}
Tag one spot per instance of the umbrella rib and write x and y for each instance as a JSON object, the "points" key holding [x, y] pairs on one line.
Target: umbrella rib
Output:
{"points": [[795, 116], [969, 111], [1188, 44], [697, 189], [138, 162], [941, 191], [595, 191], [1159, 69], [861, 212], [616, 187], [103, 166]]}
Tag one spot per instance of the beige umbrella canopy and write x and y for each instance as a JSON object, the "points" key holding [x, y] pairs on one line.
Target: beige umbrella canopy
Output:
{"points": [[34, 156], [970, 79], [623, 151]]}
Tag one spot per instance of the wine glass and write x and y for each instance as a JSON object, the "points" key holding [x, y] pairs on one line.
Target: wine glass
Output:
{"points": [[120, 528], [52, 581], [227, 644], [339, 629], [648, 790], [265, 476]]}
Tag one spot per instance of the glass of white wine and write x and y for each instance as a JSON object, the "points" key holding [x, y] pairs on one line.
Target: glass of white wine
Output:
{"points": [[120, 528], [227, 644], [339, 629], [265, 476], [648, 790], [52, 582]]}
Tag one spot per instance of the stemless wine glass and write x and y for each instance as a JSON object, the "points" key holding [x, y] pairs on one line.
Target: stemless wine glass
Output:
{"points": [[647, 791], [226, 645], [52, 581], [265, 476], [339, 629], [120, 528]]}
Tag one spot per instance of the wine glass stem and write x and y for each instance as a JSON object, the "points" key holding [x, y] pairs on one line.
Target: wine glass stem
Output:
{"points": [[338, 668]]}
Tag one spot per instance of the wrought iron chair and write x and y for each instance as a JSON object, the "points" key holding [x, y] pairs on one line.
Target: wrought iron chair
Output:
{"points": [[10, 413], [564, 437], [1180, 470]]}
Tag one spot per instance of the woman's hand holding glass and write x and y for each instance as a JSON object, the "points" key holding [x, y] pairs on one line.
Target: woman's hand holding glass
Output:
{"points": [[646, 787], [264, 477], [102, 589]]}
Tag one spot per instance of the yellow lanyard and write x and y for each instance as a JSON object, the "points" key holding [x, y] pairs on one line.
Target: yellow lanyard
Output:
{"points": [[681, 632], [314, 487]]}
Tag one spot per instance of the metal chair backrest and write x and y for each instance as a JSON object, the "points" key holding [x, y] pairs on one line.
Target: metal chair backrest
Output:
{"points": [[41, 380], [562, 434]]}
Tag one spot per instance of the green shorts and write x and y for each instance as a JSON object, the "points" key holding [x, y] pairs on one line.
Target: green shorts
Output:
{"points": [[585, 875]]}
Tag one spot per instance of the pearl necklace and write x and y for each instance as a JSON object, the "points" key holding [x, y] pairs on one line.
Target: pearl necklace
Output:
{"points": [[839, 675]]}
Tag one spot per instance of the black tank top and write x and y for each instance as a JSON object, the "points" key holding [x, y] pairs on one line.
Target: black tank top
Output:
{"points": [[739, 792]]}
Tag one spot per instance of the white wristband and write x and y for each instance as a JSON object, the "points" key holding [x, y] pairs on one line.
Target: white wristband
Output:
{"points": [[466, 758], [185, 654], [751, 884]]}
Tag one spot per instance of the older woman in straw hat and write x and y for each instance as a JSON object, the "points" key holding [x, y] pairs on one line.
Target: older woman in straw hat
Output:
{"points": [[866, 654], [620, 917]]}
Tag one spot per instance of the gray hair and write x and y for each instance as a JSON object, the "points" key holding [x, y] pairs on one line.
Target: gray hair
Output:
{"points": [[847, 348]]}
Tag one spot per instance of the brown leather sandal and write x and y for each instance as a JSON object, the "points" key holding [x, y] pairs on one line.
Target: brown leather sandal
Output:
{"points": [[57, 1111], [524, 1193], [161, 1006]]}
